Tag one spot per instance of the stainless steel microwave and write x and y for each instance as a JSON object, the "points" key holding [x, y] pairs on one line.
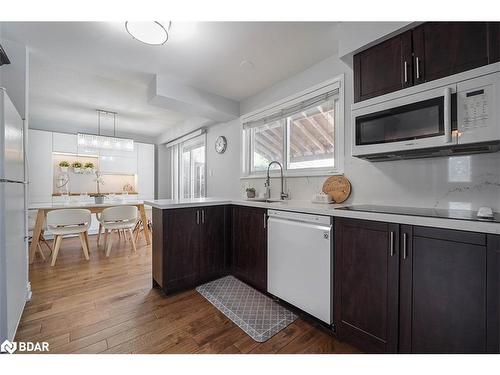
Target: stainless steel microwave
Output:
{"points": [[453, 115]]}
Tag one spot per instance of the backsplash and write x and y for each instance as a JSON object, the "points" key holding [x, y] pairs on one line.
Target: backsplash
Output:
{"points": [[85, 182], [462, 182]]}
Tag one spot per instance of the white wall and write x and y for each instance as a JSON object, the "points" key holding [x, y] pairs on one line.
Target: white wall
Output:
{"points": [[223, 172], [354, 36], [162, 175], [460, 182]]}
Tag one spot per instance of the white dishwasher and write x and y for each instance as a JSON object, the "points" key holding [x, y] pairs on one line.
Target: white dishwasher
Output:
{"points": [[300, 261]]}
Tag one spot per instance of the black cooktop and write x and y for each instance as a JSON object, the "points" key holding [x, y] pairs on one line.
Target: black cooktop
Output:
{"points": [[426, 212]]}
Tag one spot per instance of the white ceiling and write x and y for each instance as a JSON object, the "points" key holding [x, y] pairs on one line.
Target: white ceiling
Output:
{"points": [[79, 66]]}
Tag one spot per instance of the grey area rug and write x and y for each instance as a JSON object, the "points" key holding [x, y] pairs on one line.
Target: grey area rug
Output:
{"points": [[256, 314]]}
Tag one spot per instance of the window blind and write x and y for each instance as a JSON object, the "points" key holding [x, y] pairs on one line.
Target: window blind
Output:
{"points": [[290, 110]]}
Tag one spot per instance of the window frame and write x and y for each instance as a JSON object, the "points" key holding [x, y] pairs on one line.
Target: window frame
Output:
{"points": [[322, 88]]}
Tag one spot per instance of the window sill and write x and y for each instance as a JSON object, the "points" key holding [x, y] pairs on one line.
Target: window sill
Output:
{"points": [[293, 173]]}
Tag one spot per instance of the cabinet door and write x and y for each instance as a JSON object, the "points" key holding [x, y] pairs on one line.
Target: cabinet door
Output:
{"points": [[445, 48], [211, 258], [493, 288], [443, 292], [120, 164], [40, 166], [62, 142], [249, 240], [181, 242], [384, 68], [145, 170], [366, 284]]}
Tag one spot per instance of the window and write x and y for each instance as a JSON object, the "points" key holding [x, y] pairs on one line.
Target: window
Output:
{"points": [[302, 133], [188, 172], [267, 145]]}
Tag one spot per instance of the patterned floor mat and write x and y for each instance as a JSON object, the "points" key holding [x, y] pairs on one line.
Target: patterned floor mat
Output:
{"points": [[256, 314]]}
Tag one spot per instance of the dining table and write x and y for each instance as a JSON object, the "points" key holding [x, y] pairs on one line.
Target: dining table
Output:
{"points": [[43, 208]]}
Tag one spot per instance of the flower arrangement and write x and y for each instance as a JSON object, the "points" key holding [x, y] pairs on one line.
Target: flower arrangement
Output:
{"points": [[77, 166], [89, 167], [64, 165]]}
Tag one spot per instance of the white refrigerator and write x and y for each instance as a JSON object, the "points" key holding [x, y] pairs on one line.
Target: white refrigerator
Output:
{"points": [[13, 248]]}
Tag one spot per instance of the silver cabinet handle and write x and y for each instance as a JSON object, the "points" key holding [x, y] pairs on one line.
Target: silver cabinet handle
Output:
{"points": [[418, 67], [392, 243], [203, 216], [406, 72], [265, 217], [197, 216], [404, 245]]}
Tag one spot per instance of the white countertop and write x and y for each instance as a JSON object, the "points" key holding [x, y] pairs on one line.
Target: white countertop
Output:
{"points": [[332, 210]]}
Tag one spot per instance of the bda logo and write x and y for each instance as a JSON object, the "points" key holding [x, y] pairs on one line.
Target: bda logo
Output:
{"points": [[8, 347]]}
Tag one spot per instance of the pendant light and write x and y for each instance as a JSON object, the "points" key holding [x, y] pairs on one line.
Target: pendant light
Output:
{"points": [[101, 142]]}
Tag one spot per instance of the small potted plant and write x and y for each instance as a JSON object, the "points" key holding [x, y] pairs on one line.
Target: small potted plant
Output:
{"points": [[89, 167], [250, 192], [64, 165], [77, 167], [99, 198]]}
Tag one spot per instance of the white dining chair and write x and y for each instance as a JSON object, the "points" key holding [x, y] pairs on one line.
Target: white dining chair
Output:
{"points": [[116, 219], [69, 222]]}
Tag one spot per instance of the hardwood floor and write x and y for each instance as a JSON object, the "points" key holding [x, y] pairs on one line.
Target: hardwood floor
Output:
{"points": [[107, 305]]}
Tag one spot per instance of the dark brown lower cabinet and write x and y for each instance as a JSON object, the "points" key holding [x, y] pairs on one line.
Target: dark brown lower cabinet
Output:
{"points": [[215, 243], [493, 294], [366, 284], [443, 292], [417, 290], [249, 245], [189, 246]]}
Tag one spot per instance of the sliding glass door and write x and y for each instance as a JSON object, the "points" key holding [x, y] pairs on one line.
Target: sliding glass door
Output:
{"points": [[193, 168], [188, 175]]}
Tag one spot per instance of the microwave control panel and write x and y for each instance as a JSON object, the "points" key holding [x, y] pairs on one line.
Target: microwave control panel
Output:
{"points": [[474, 107]]}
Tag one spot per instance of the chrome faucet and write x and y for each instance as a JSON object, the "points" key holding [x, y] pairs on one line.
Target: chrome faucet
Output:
{"points": [[267, 184]]}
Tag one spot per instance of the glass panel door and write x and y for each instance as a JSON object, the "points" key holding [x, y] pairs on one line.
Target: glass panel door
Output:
{"points": [[192, 168], [413, 121]]}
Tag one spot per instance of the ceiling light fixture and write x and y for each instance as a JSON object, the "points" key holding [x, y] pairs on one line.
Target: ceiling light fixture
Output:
{"points": [[98, 141], [150, 32]]}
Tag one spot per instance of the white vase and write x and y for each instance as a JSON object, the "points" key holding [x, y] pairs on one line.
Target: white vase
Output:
{"points": [[89, 170], [64, 169], [76, 170]]}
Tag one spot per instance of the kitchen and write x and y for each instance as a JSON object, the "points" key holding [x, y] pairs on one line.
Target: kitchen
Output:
{"points": [[345, 202]]}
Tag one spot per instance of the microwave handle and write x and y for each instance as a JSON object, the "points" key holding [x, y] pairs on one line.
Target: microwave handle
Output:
{"points": [[447, 115]]}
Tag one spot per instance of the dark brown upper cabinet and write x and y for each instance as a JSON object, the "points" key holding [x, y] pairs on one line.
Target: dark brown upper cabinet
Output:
{"points": [[249, 245], [444, 48], [430, 51], [384, 68]]}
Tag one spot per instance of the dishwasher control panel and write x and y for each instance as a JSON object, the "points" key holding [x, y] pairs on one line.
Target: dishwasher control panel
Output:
{"points": [[299, 216]]}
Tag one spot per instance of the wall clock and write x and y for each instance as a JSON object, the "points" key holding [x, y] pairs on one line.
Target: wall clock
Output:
{"points": [[221, 144]]}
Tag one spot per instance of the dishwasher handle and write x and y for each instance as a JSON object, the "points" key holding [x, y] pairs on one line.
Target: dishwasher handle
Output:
{"points": [[326, 228]]}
